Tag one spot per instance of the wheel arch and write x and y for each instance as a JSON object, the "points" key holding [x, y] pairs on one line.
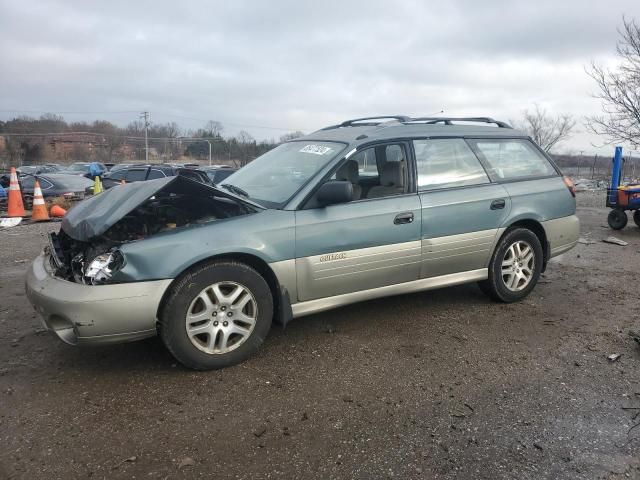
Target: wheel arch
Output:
{"points": [[536, 227], [281, 302]]}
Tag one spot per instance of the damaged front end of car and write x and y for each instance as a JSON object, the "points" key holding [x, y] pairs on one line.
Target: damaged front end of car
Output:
{"points": [[87, 250]]}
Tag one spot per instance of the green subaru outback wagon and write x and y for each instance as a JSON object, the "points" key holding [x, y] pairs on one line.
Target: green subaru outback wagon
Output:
{"points": [[368, 208]]}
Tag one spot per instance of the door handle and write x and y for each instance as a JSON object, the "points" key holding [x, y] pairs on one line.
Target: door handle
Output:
{"points": [[402, 218], [498, 204]]}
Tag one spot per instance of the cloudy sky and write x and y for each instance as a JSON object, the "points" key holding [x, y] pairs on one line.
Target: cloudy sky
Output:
{"points": [[271, 67]]}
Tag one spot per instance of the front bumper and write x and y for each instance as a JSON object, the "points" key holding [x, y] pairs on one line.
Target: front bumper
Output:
{"points": [[86, 314]]}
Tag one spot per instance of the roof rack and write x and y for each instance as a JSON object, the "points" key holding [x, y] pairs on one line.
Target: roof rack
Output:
{"points": [[448, 120], [362, 122]]}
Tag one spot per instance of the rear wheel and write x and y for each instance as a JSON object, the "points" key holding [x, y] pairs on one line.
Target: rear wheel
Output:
{"points": [[617, 219], [636, 217], [217, 315], [515, 266]]}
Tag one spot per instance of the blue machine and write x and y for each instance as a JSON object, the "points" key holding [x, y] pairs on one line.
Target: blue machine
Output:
{"points": [[621, 197]]}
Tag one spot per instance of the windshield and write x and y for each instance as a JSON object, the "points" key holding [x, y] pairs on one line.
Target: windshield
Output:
{"points": [[276, 176]]}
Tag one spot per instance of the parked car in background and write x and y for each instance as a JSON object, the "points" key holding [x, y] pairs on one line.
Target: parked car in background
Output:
{"points": [[71, 187], [36, 169], [82, 168], [141, 173], [218, 174], [297, 231]]}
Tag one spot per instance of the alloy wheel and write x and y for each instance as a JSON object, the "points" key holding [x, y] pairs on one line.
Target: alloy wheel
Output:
{"points": [[221, 317], [518, 266]]}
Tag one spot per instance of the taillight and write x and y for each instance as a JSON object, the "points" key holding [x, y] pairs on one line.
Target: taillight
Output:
{"points": [[569, 183]]}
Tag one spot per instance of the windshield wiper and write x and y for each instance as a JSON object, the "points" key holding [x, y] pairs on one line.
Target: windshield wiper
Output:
{"points": [[234, 189]]}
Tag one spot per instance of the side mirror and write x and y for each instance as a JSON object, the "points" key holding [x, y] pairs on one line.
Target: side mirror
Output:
{"points": [[334, 192]]}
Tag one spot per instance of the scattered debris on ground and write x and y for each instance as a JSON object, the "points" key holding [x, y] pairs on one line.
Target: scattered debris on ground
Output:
{"points": [[10, 222], [614, 357], [616, 241]]}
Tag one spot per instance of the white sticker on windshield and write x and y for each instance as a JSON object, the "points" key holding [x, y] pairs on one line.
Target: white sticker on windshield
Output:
{"points": [[316, 149]]}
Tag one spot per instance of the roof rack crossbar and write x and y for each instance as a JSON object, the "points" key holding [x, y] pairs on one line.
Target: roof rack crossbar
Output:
{"points": [[362, 122], [448, 120]]}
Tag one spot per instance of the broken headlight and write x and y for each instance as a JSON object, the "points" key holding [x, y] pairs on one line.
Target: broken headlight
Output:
{"points": [[100, 270]]}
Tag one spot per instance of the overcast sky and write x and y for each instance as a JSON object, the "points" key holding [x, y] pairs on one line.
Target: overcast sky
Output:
{"points": [[291, 65]]}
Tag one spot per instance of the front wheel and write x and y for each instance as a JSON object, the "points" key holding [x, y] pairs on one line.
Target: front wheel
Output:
{"points": [[515, 266], [217, 315], [617, 219], [636, 217]]}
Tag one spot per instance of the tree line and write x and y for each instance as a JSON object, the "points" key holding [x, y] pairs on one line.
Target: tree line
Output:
{"points": [[50, 138]]}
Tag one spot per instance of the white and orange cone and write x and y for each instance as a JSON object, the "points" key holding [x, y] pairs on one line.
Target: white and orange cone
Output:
{"points": [[15, 207], [39, 209]]}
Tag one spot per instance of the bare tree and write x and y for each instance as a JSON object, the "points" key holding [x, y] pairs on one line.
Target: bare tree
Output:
{"points": [[545, 129], [213, 128], [291, 135], [246, 147], [619, 90]]}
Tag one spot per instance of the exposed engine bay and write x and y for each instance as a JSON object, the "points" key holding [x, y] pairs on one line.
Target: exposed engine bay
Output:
{"points": [[92, 261]]}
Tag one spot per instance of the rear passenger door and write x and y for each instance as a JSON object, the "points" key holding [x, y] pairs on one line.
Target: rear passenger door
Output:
{"points": [[462, 209]]}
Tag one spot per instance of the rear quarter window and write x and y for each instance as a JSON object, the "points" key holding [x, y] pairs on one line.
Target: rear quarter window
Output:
{"points": [[512, 159], [136, 175], [155, 173]]}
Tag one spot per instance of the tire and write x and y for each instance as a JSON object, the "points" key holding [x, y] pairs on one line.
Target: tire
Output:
{"points": [[513, 283], [226, 329], [636, 217], [617, 219]]}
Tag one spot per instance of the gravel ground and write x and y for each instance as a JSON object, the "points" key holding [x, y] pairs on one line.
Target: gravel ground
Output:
{"points": [[442, 384]]}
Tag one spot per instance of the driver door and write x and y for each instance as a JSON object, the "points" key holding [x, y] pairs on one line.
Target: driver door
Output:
{"points": [[364, 244]]}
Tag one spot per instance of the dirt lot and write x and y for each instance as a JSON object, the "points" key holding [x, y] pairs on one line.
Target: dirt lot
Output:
{"points": [[442, 384]]}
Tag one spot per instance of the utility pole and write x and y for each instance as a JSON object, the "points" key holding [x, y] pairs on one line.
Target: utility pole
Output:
{"points": [[145, 115], [593, 168], [579, 162]]}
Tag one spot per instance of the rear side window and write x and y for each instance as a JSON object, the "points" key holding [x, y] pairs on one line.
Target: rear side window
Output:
{"points": [[446, 163], [511, 158], [45, 184], [136, 175], [119, 175], [155, 173]]}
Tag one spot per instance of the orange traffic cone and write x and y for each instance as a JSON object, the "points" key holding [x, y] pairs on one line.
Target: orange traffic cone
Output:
{"points": [[57, 211], [15, 205], [39, 209]]}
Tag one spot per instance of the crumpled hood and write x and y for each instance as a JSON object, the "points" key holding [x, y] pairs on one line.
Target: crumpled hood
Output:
{"points": [[94, 216]]}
